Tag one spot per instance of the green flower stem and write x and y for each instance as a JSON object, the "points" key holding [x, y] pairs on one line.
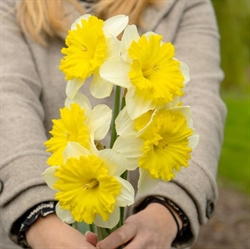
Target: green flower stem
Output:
{"points": [[92, 228], [102, 233], [122, 209], [123, 99], [81, 227], [124, 175], [121, 216], [115, 114]]}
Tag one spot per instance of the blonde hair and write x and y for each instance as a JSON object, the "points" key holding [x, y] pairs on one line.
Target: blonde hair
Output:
{"points": [[44, 17]]}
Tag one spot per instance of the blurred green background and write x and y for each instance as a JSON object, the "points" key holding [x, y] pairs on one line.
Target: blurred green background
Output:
{"points": [[233, 18]]}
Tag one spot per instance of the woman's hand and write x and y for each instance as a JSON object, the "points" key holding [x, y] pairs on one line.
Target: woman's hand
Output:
{"points": [[50, 233], [152, 228]]}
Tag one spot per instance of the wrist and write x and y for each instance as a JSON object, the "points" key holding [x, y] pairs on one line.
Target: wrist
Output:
{"points": [[34, 235], [31, 217], [163, 218], [167, 209], [180, 219]]}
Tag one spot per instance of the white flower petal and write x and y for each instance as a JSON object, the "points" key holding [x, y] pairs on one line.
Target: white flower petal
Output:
{"points": [[115, 25], [116, 162], [99, 121], [111, 222], [129, 146], [64, 215], [78, 21], [113, 47], [73, 86], [74, 149], [92, 146], [185, 71], [49, 176], [116, 71], [194, 140], [184, 110], [173, 103], [130, 34], [146, 183], [124, 124], [191, 123], [137, 105], [140, 132], [100, 88], [81, 100], [126, 197], [148, 34]]}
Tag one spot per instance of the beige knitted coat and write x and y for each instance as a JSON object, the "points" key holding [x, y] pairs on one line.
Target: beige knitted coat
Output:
{"points": [[33, 90]]}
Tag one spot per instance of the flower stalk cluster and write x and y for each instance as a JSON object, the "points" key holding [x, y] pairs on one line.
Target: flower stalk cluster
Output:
{"points": [[150, 129]]}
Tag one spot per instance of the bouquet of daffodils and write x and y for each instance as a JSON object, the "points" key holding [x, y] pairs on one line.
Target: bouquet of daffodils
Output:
{"points": [[150, 129]]}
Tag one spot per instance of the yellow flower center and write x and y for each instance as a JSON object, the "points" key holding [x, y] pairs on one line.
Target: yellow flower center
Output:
{"points": [[72, 127], [93, 183], [86, 49], [86, 188], [166, 145], [154, 72]]}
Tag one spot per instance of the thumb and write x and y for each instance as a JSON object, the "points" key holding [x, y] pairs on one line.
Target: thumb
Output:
{"points": [[91, 238]]}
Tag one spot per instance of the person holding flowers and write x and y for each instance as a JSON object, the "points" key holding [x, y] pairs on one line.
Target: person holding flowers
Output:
{"points": [[125, 137]]}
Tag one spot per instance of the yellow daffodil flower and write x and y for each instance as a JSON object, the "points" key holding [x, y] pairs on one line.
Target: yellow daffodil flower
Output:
{"points": [[149, 71], [90, 42], [79, 123], [89, 187], [159, 142]]}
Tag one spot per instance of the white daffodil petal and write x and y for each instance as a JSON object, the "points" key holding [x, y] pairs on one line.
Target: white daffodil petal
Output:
{"points": [[130, 34], [185, 71], [191, 123], [126, 197], [92, 146], [111, 222], [115, 25], [137, 105], [148, 34], [79, 22], [124, 124], [100, 88], [73, 86], [174, 103], [113, 47], [194, 140], [64, 215], [116, 71], [49, 176], [129, 146], [144, 129], [81, 100], [146, 183], [116, 163], [99, 121], [184, 110], [74, 149]]}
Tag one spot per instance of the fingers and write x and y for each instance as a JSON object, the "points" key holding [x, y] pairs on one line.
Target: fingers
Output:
{"points": [[138, 242], [91, 238], [119, 237]]}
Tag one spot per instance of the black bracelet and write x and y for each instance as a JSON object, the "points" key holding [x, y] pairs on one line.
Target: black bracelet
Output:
{"points": [[41, 210], [168, 204], [183, 217]]}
